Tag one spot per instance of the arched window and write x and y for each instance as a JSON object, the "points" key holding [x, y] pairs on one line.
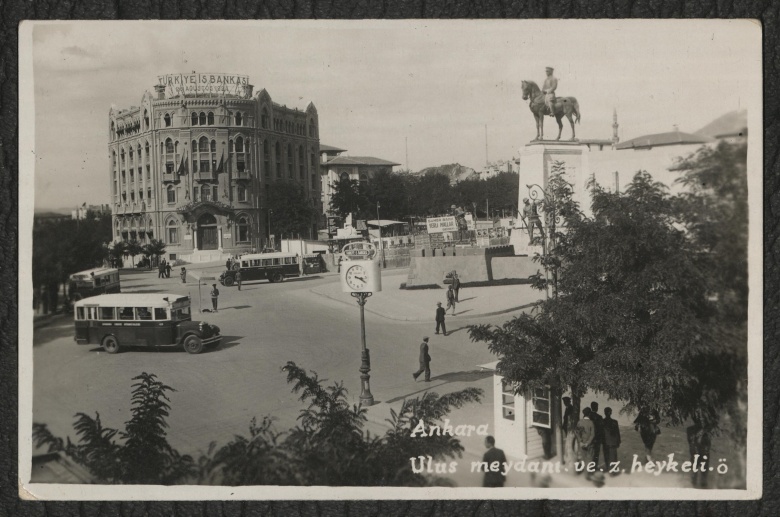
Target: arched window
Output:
{"points": [[167, 120], [363, 180], [147, 159], [344, 176], [146, 120], [243, 229], [240, 154], [289, 161], [171, 194], [205, 192], [278, 149], [311, 128], [202, 119], [241, 193], [172, 232], [168, 146], [194, 119], [263, 118], [266, 158], [301, 164], [113, 130], [314, 182], [238, 119], [201, 155], [211, 118]]}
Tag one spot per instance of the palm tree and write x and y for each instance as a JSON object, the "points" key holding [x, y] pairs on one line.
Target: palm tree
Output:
{"points": [[133, 248], [119, 250], [155, 248]]}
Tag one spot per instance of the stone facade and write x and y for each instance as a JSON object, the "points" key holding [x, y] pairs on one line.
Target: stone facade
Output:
{"points": [[194, 170]]}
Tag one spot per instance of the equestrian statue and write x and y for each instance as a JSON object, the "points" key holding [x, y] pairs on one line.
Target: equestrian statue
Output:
{"points": [[543, 102]]}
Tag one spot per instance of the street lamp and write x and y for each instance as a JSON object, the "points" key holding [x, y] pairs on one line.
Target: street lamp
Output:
{"points": [[381, 246]]}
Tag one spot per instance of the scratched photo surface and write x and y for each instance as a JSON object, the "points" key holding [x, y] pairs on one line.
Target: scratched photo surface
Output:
{"points": [[390, 260]]}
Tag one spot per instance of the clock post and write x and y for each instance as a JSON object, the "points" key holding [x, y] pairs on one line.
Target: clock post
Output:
{"points": [[361, 278]]}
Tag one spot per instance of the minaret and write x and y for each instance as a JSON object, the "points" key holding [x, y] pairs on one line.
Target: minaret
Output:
{"points": [[615, 137]]}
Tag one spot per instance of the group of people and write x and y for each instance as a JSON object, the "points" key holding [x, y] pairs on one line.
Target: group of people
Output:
{"points": [[163, 269], [598, 436], [452, 299]]}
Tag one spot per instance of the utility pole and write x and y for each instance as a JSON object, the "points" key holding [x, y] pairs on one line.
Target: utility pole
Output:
{"points": [[487, 162], [406, 145]]}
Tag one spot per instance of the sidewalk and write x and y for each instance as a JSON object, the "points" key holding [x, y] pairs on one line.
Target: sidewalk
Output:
{"points": [[420, 304]]}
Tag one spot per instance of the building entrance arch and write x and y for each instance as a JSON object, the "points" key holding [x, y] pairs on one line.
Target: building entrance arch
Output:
{"points": [[207, 232]]}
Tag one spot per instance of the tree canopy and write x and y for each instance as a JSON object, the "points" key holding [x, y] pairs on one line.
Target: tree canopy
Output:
{"points": [[292, 212], [641, 286]]}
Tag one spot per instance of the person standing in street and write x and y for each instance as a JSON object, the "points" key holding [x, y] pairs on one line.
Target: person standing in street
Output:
{"points": [[611, 440], [228, 263], [440, 312], [425, 361], [238, 279], [167, 270], [183, 276], [493, 479], [455, 284], [586, 432], [598, 423], [161, 269], [451, 299], [214, 296]]}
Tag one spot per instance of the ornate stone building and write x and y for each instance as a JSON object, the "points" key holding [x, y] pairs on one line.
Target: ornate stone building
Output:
{"points": [[193, 164]]}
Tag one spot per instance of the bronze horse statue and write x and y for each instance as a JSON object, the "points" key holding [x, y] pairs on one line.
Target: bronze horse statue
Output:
{"points": [[563, 106]]}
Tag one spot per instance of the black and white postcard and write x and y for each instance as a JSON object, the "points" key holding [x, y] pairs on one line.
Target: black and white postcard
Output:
{"points": [[416, 259]]}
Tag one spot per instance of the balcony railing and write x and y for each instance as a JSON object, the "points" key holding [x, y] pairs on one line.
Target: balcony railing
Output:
{"points": [[242, 175]]}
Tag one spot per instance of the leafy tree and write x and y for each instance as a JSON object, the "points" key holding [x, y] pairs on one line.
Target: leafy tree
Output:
{"points": [[389, 190], [431, 194], [293, 212], [634, 316], [155, 248], [134, 248], [118, 251], [140, 454], [349, 197]]}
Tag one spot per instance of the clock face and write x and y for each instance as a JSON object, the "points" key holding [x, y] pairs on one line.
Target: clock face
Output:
{"points": [[357, 277]]}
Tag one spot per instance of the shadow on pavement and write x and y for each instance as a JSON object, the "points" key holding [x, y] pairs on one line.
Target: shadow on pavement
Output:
{"points": [[236, 307], [445, 378], [227, 342], [465, 299], [458, 330], [58, 327], [461, 312]]}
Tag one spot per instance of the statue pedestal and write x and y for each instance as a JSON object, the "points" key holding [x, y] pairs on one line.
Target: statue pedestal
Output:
{"points": [[537, 158], [519, 239]]}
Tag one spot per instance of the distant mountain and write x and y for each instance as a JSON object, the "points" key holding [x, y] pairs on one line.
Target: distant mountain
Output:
{"points": [[729, 124], [454, 171]]}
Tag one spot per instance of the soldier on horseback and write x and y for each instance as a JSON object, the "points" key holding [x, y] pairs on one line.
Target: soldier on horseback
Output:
{"points": [[548, 89]]}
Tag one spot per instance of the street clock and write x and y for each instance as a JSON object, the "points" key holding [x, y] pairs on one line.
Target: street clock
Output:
{"points": [[360, 271]]}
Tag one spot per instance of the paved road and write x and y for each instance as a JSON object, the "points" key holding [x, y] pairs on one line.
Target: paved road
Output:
{"points": [[264, 326]]}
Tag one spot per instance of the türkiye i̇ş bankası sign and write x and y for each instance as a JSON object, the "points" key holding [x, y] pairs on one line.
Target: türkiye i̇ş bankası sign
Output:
{"points": [[196, 83]]}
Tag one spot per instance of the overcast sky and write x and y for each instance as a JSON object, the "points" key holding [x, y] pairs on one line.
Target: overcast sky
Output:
{"points": [[375, 84]]}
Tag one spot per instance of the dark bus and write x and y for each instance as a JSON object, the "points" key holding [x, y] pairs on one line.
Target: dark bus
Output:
{"points": [[116, 321], [274, 267]]}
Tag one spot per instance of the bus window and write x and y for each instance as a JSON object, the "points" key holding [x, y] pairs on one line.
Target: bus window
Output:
{"points": [[181, 314], [267, 262], [80, 313], [244, 263], [276, 262], [107, 313], [160, 313], [143, 313], [92, 313], [126, 313], [255, 263], [288, 260]]}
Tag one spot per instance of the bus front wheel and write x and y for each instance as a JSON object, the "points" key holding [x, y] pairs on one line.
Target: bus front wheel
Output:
{"points": [[193, 345], [111, 344], [228, 281], [277, 277]]}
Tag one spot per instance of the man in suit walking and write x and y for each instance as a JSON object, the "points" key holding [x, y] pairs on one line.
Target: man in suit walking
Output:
{"points": [[451, 299], [238, 279], [455, 284], [611, 439], [493, 479], [586, 432], [440, 312], [425, 361], [598, 423]]}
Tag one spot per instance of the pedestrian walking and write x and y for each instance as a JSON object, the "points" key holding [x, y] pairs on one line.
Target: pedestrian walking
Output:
{"points": [[598, 438], [455, 284], [440, 312], [161, 270], [228, 263], [425, 361], [611, 440], [299, 260], [451, 299], [214, 296], [167, 270], [647, 424], [183, 276], [493, 454], [238, 278]]}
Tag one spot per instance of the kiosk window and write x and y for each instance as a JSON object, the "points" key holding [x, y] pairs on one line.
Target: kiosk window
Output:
{"points": [[126, 313], [106, 313], [507, 401], [541, 408], [160, 313]]}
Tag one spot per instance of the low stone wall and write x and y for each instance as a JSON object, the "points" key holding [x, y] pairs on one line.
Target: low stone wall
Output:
{"points": [[428, 266]]}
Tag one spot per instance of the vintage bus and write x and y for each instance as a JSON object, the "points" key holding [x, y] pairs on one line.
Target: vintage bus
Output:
{"points": [[93, 282], [116, 321], [274, 267]]}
